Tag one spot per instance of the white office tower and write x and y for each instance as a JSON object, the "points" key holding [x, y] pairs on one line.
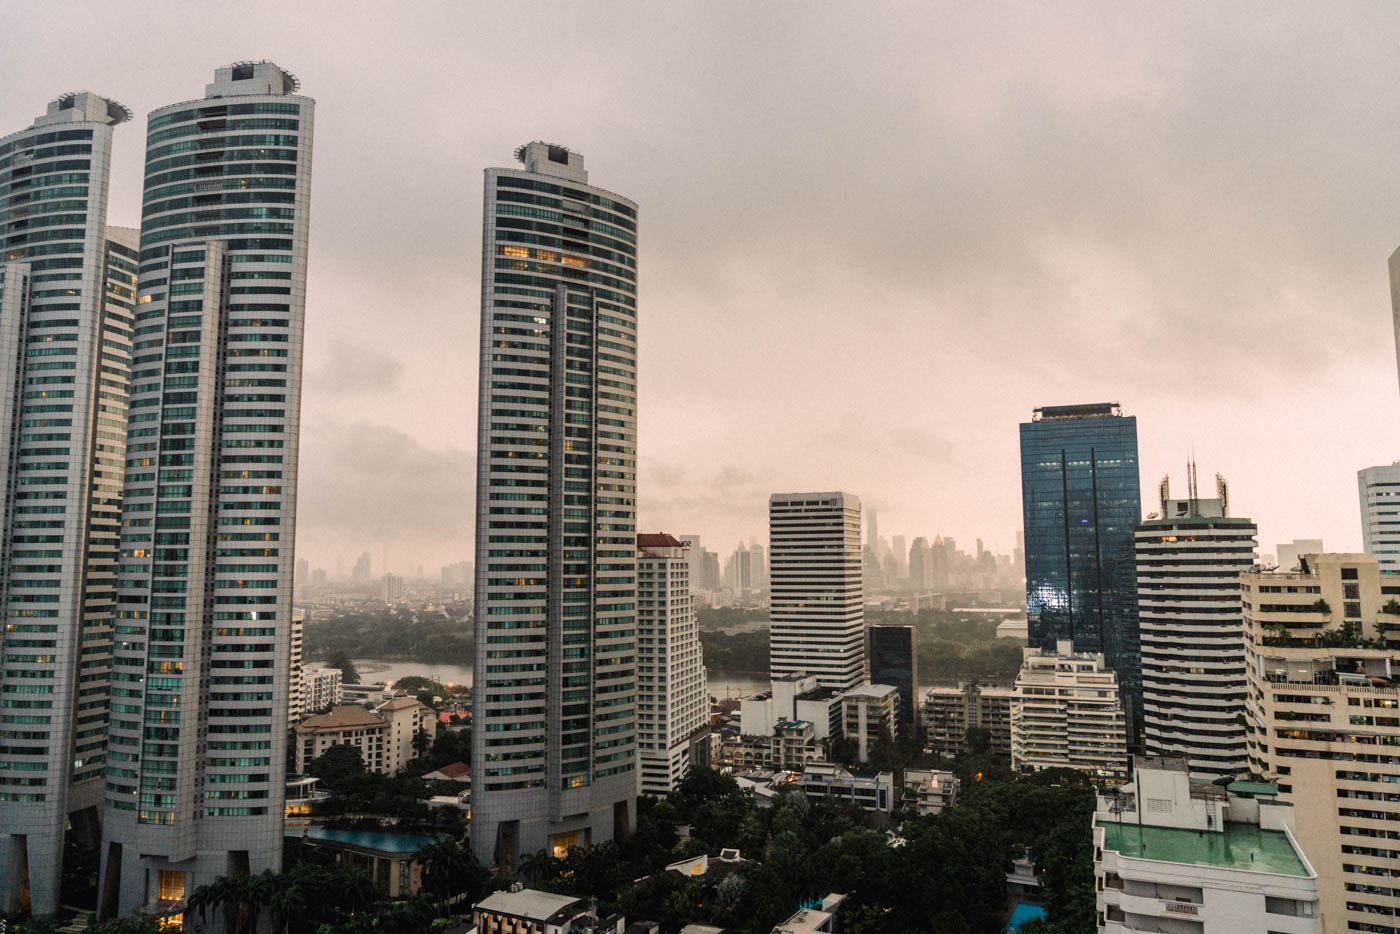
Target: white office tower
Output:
{"points": [[673, 699], [1379, 488], [197, 746], [391, 589], [1067, 713], [554, 745], [816, 593], [67, 282], [1193, 857], [1188, 568]]}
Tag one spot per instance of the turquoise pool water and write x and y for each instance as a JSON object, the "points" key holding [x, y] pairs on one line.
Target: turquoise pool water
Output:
{"points": [[372, 839], [1023, 912]]}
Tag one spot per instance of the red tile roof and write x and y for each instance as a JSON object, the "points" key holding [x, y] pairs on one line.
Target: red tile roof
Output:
{"points": [[657, 540]]}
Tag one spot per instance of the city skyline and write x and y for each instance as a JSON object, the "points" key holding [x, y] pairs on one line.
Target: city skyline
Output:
{"points": [[1281, 318]]}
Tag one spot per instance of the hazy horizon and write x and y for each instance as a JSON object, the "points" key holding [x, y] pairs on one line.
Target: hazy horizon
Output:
{"points": [[872, 239]]}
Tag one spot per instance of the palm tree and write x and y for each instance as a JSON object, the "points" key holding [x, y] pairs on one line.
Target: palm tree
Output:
{"points": [[446, 864], [535, 866], [421, 742]]}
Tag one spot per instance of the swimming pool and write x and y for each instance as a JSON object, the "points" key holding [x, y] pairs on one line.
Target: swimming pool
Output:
{"points": [[1023, 912]]}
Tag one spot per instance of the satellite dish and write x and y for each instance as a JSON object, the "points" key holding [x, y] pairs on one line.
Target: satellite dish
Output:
{"points": [[1151, 515]]}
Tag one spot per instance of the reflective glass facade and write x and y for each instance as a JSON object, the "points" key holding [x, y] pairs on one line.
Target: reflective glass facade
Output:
{"points": [[1081, 501], [894, 660]]}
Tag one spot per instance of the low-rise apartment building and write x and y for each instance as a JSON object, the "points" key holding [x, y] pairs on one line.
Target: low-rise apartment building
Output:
{"points": [[828, 782], [1183, 857], [1068, 713], [870, 714], [950, 712]]}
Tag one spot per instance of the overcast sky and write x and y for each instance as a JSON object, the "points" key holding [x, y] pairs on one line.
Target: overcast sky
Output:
{"points": [[873, 238]]}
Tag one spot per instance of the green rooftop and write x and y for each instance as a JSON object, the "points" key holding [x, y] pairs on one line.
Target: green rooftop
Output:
{"points": [[1252, 788], [1238, 846]]}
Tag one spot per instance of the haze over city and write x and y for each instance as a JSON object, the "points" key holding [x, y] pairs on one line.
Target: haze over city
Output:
{"points": [[874, 238]]}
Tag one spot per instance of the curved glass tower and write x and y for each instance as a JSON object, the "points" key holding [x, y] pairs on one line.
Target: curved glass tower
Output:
{"points": [[203, 636], [554, 746], [66, 286]]}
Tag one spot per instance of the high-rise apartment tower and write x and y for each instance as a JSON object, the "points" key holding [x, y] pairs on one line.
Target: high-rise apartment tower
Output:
{"points": [[816, 595], [201, 662], [1188, 580], [554, 746], [67, 284], [1081, 501], [1323, 720], [673, 697]]}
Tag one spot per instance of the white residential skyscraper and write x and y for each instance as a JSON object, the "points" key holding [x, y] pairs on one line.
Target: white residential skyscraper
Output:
{"points": [[67, 283], [201, 662], [1379, 489], [816, 589], [1192, 631], [554, 744], [673, 700]]}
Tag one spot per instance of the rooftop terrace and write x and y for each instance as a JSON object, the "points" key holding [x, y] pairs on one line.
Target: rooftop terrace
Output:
{"points": [[1238, 846]]}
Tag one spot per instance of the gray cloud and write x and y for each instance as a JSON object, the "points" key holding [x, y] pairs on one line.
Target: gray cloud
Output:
{"points": [[873, 237], [354, 368]]}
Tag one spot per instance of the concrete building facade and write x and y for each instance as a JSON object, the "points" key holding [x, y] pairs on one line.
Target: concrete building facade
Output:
{"points": [[67, 291], [869, 715], [1068, 713], [950, 712], [554, 743], [815, 584], [1323, 720], [1188, 857], [673, 698]]}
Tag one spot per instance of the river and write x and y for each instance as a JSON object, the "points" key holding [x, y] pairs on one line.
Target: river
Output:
{"points": [[722, 683]]}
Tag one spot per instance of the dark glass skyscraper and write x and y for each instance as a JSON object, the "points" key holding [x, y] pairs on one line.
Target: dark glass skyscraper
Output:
{"points": [[894, 660], [1081, 501]]}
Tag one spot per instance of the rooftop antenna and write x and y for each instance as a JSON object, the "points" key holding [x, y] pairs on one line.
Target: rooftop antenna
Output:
{"points": [[1191, 494]]}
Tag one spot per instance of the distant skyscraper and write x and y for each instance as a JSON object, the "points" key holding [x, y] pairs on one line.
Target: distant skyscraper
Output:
{"points": [[711, 579], [554, 743], [1081, 502], [695, 558], [758, 566], [1379, 488], [672, 695], [1189, 563], [894, 659], [391, 589], [361, 572], [919, 564], [1289, 552], [196, 760], [67, 289], [817, 604], [739, 569]]}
